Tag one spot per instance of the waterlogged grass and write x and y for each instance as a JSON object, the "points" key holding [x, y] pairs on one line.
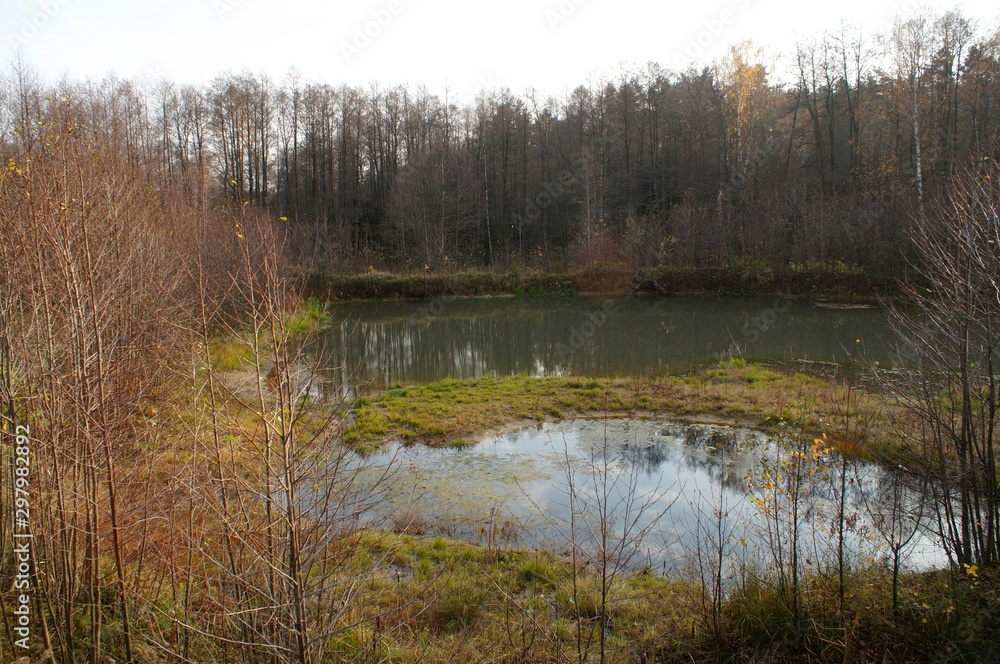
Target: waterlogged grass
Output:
{"points": [[234, 351], [495, 604], [231, 354], [306, 319], [438, 600], [455, 412]]}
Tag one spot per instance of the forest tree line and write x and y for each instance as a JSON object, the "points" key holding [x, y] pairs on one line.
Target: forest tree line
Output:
{"points": [[703, 167]]}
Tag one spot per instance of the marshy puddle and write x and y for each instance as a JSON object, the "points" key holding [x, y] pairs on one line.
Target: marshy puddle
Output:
{"points": [[668, 493]]}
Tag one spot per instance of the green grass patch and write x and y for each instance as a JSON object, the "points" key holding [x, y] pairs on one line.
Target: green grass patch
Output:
{"points": [[231, 354], [453, 412], [306, 319]]}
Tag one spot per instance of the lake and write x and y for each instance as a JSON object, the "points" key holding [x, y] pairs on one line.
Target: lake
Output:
{"points": [[379, 344]]}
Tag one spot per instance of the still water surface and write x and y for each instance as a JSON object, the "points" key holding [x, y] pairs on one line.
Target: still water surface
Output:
{"points": [[383, 343], [667, 489]]}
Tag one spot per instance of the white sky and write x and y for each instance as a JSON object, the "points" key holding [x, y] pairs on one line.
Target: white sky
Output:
{"points": [[551, 45]]}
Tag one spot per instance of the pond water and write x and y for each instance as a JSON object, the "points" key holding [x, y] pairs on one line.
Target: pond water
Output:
{"points": [[667, 490], [670, 493], [383, 343]]}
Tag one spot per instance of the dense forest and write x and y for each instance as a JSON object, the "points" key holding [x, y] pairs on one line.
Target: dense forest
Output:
{"points": [[729, 163]]}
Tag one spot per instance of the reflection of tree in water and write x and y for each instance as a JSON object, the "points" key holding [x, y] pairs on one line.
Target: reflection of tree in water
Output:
{"points": [[719, 452], [707, 437], [647, 458], [712, 440], [731, 475], [429, 340]]}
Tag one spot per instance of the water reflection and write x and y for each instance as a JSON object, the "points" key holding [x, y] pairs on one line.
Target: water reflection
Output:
{"points": [[382, 343], [685, 487]]}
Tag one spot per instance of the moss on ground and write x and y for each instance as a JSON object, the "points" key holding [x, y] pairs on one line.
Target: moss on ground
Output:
{"points": [[454, 412]]}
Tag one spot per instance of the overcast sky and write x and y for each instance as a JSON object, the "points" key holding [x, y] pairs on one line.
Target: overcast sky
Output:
{"points": [[551, 45]]}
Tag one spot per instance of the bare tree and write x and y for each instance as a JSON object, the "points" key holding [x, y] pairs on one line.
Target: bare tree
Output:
{"points": [[434, 209], [288, 502], [949, 379]]}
